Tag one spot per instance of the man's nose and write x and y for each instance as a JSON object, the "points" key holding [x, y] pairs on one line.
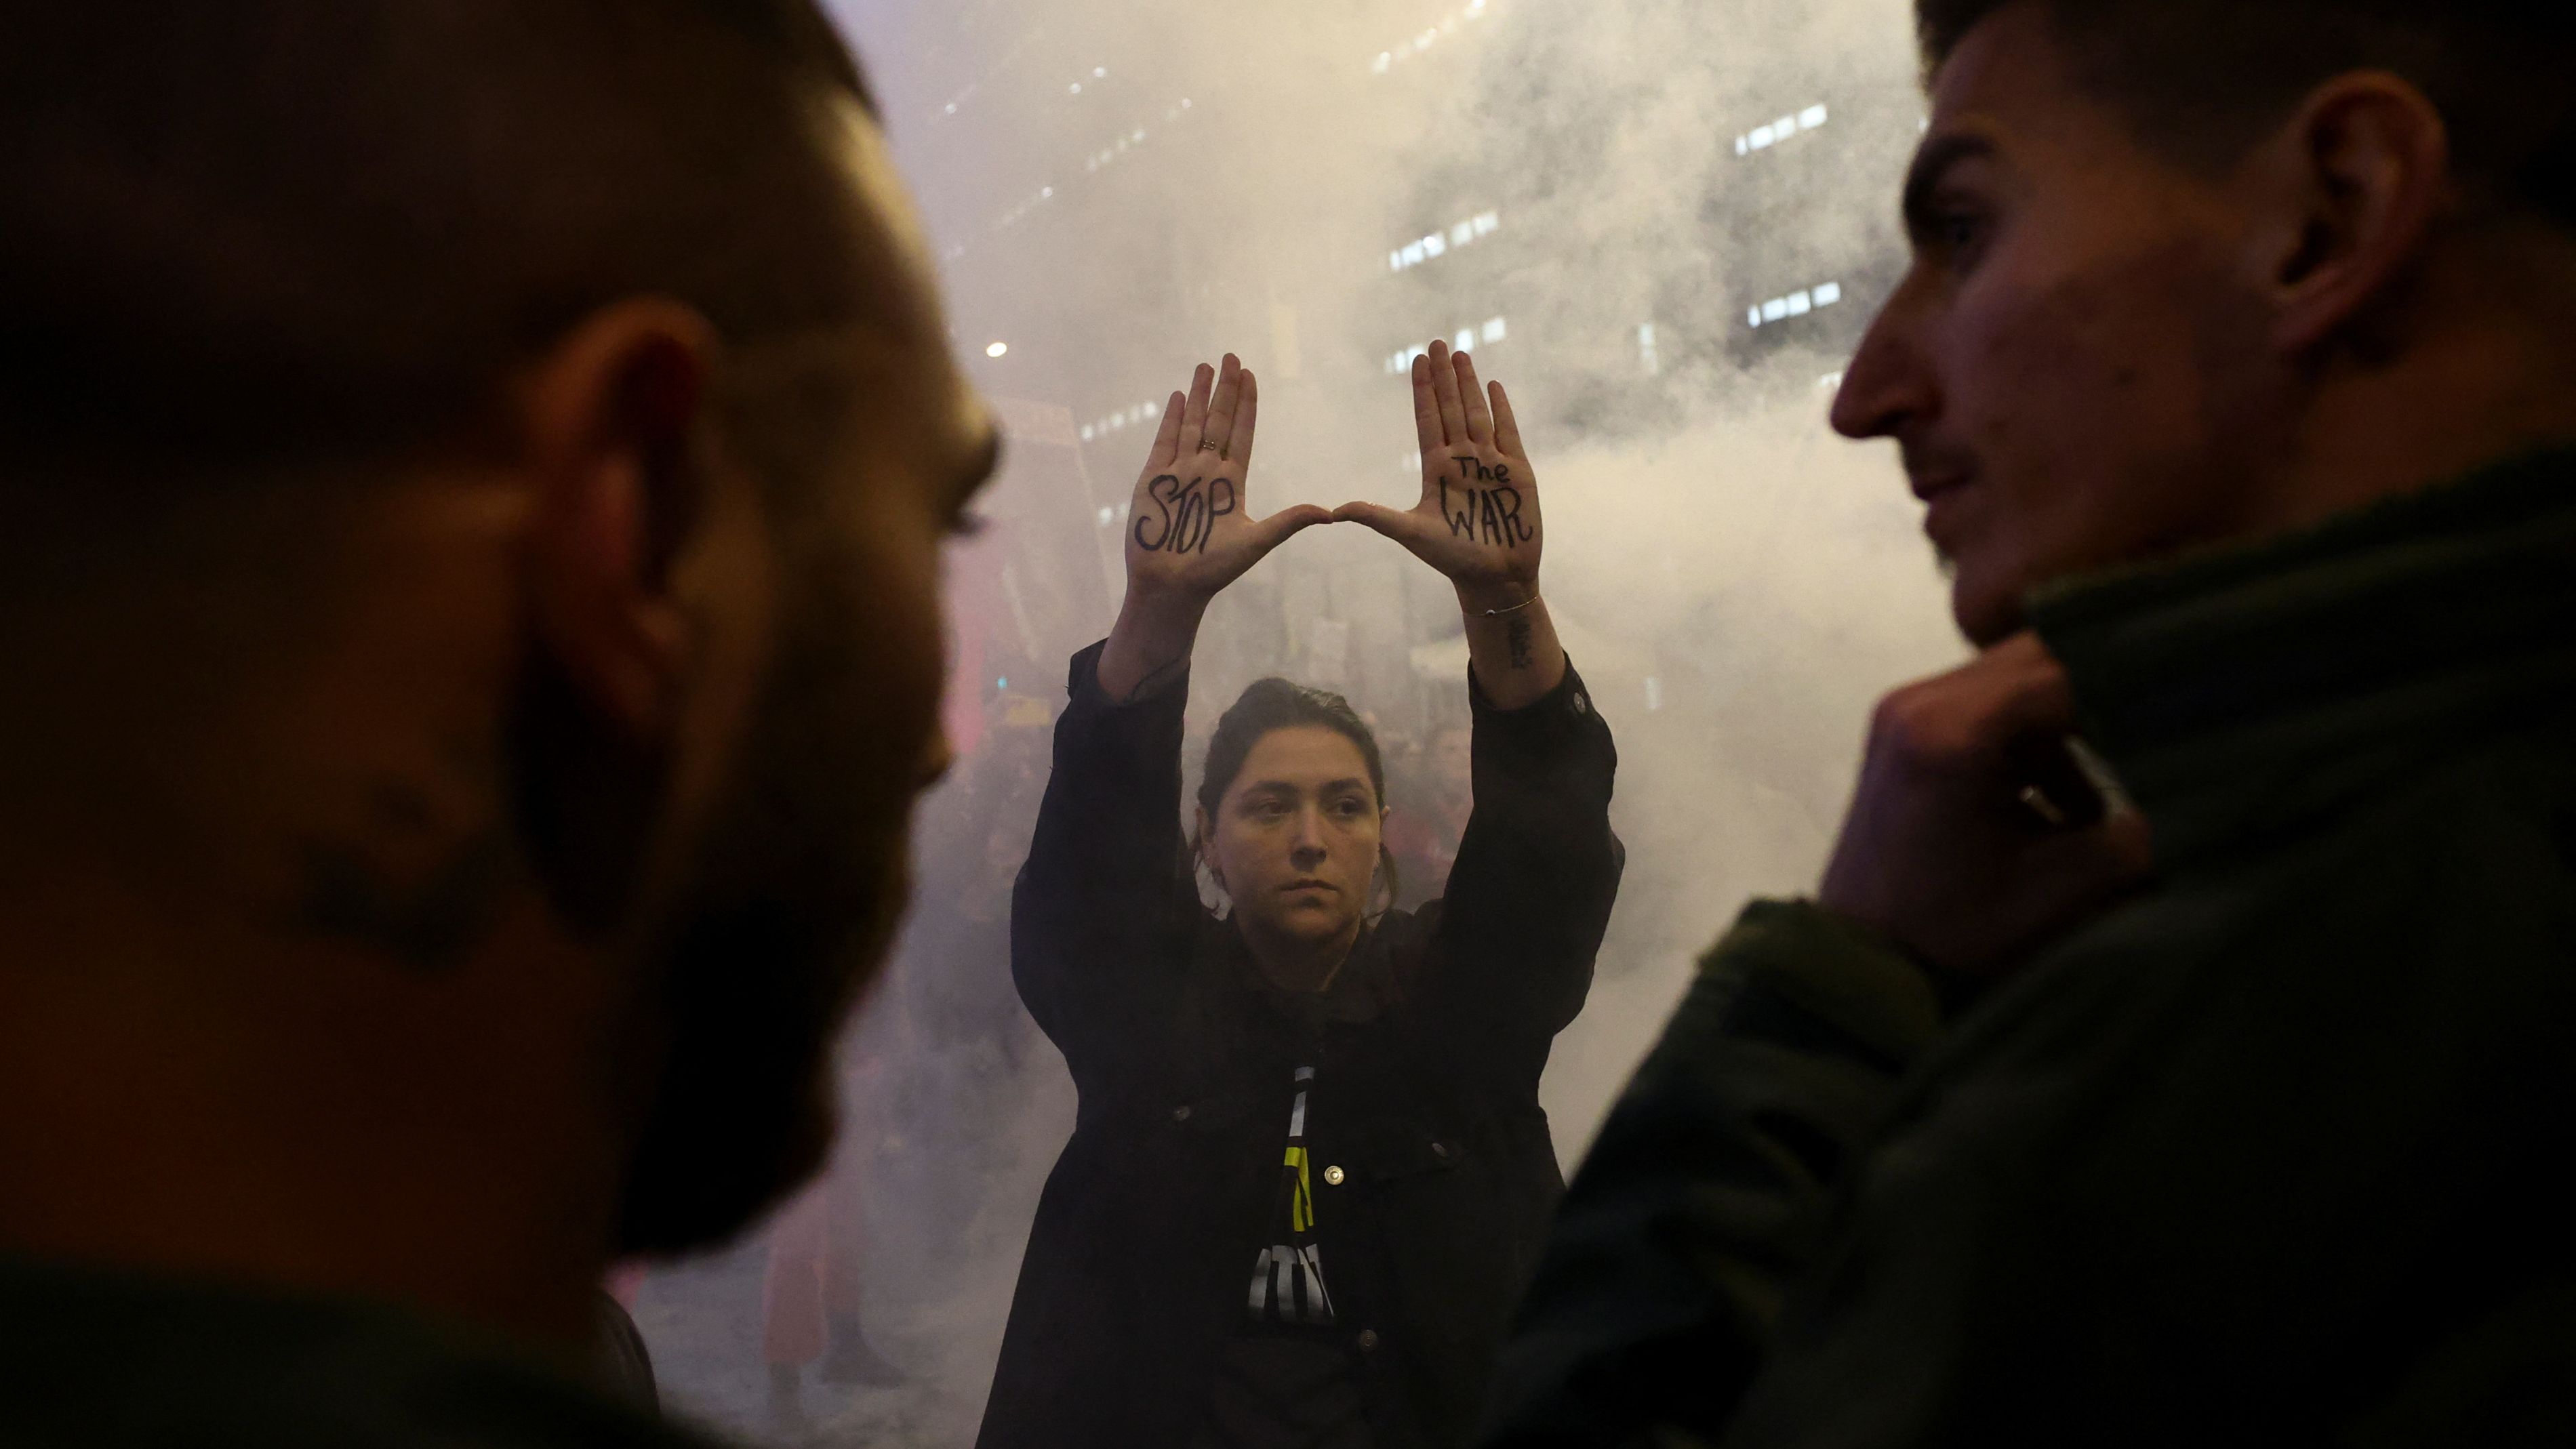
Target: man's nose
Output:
{"points": [[1886, 383]]}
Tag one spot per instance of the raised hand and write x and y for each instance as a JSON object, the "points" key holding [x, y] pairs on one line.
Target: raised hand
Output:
{"points": [[1190, 529], [1478, 524], [1478, 519]]}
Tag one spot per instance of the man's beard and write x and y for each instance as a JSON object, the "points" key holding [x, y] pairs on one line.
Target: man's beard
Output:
{"points": [[783, 908]]}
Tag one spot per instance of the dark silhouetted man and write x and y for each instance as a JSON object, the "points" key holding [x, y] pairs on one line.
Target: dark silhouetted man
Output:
{"points": [[2237, 370], [471, 481]]}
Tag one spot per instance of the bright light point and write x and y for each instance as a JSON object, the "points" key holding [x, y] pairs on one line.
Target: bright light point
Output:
{"points": [[1077, 88], [1185, 105], [1099, 72], [1046, 191], [997, 349], [1002, 683], [952, 108]]}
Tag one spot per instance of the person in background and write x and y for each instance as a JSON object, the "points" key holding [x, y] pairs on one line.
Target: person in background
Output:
{"points": [[472, 481], [1423, 835], [2237, 369], [1310, 1166]]}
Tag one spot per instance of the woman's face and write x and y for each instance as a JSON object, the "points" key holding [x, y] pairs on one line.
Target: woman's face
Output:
{"points": [[1295, 839]]}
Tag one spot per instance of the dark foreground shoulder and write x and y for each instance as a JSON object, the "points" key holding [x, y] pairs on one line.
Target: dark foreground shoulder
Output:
{"points": [[106, 1360]]}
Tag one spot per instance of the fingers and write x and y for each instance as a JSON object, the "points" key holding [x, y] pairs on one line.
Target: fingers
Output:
{"points": [[1444, 390], [1167, 439], [1426, 411], [1221, 407], [1507, 429], [1278, 528], [1471, 397], [1395, 523], [1194, 411], [1247, 411]]}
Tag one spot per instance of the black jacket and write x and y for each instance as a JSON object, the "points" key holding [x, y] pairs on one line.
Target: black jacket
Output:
{"points": [[2268, 1155], [1427, 1051]]}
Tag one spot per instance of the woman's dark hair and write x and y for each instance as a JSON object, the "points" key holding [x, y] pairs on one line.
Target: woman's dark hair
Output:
{"points": [[1277, 704]]}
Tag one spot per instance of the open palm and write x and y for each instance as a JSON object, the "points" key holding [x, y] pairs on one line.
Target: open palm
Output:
{"points": [[1478, 519], [1190, 529]]}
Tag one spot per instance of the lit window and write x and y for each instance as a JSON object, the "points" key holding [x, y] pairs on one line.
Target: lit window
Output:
{"points": [[1433, 246], [1761, 137], [1463, 233], [1829, 293], [1488, 222], [1395, 261], [1753, 315], [1412, 254], [1466, 339], [1797, 304], [1493, 329], [1785, 127], [1811, 117], [1775, 309], [1742, 145]]}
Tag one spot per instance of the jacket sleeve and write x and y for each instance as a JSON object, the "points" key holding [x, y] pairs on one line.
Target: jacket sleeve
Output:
{"points": [[1538, 867], [1703, 1194], [1103, 892]]}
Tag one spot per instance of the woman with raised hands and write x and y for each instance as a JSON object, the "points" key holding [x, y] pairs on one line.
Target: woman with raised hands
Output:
{"points": [[1309, 1174]]}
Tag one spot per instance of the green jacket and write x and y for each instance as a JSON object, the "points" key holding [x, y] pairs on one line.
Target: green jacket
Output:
{"points": [[2269, 1154]]}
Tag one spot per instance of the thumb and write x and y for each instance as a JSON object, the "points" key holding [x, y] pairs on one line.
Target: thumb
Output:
{"points": [[1395, 523], [1268, 533]]}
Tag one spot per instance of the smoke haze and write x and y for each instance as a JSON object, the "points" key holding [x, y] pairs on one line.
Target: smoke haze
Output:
{"points": [[1663, 226]]}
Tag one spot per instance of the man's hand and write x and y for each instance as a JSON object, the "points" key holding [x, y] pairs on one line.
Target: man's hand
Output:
{"points": [[1190, 529], [1478, 521], [1963, 844]]}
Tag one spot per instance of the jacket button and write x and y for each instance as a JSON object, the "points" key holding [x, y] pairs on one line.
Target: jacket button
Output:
{"points": [[1440, 1150], [1368, 1340], [1181, 1113], [1333, 1175]]}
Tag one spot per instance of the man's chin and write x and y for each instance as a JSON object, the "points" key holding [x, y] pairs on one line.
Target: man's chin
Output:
{"points": [[1986, 610]]}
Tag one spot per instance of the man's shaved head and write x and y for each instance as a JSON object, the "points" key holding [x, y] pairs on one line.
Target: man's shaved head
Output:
{"points": [[192, 264], [2202, 78]]}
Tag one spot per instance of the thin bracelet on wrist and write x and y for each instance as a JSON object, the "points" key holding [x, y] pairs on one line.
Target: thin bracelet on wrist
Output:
{"points": [[1514, 609]]}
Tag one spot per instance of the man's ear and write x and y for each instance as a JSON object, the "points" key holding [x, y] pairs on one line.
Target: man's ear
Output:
{"points": [[612, 435], [2358, 177]]}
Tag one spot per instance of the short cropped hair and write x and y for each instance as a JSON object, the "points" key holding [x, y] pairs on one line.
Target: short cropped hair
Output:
{"points": [[258, 230], [2204, 78]]}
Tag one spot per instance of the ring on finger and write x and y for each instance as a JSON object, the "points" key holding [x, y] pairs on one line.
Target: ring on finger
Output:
{"points": [[1213, 447]]}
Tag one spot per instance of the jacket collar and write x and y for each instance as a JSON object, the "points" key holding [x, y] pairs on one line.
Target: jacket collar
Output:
{"points": [[2239, 691]]}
